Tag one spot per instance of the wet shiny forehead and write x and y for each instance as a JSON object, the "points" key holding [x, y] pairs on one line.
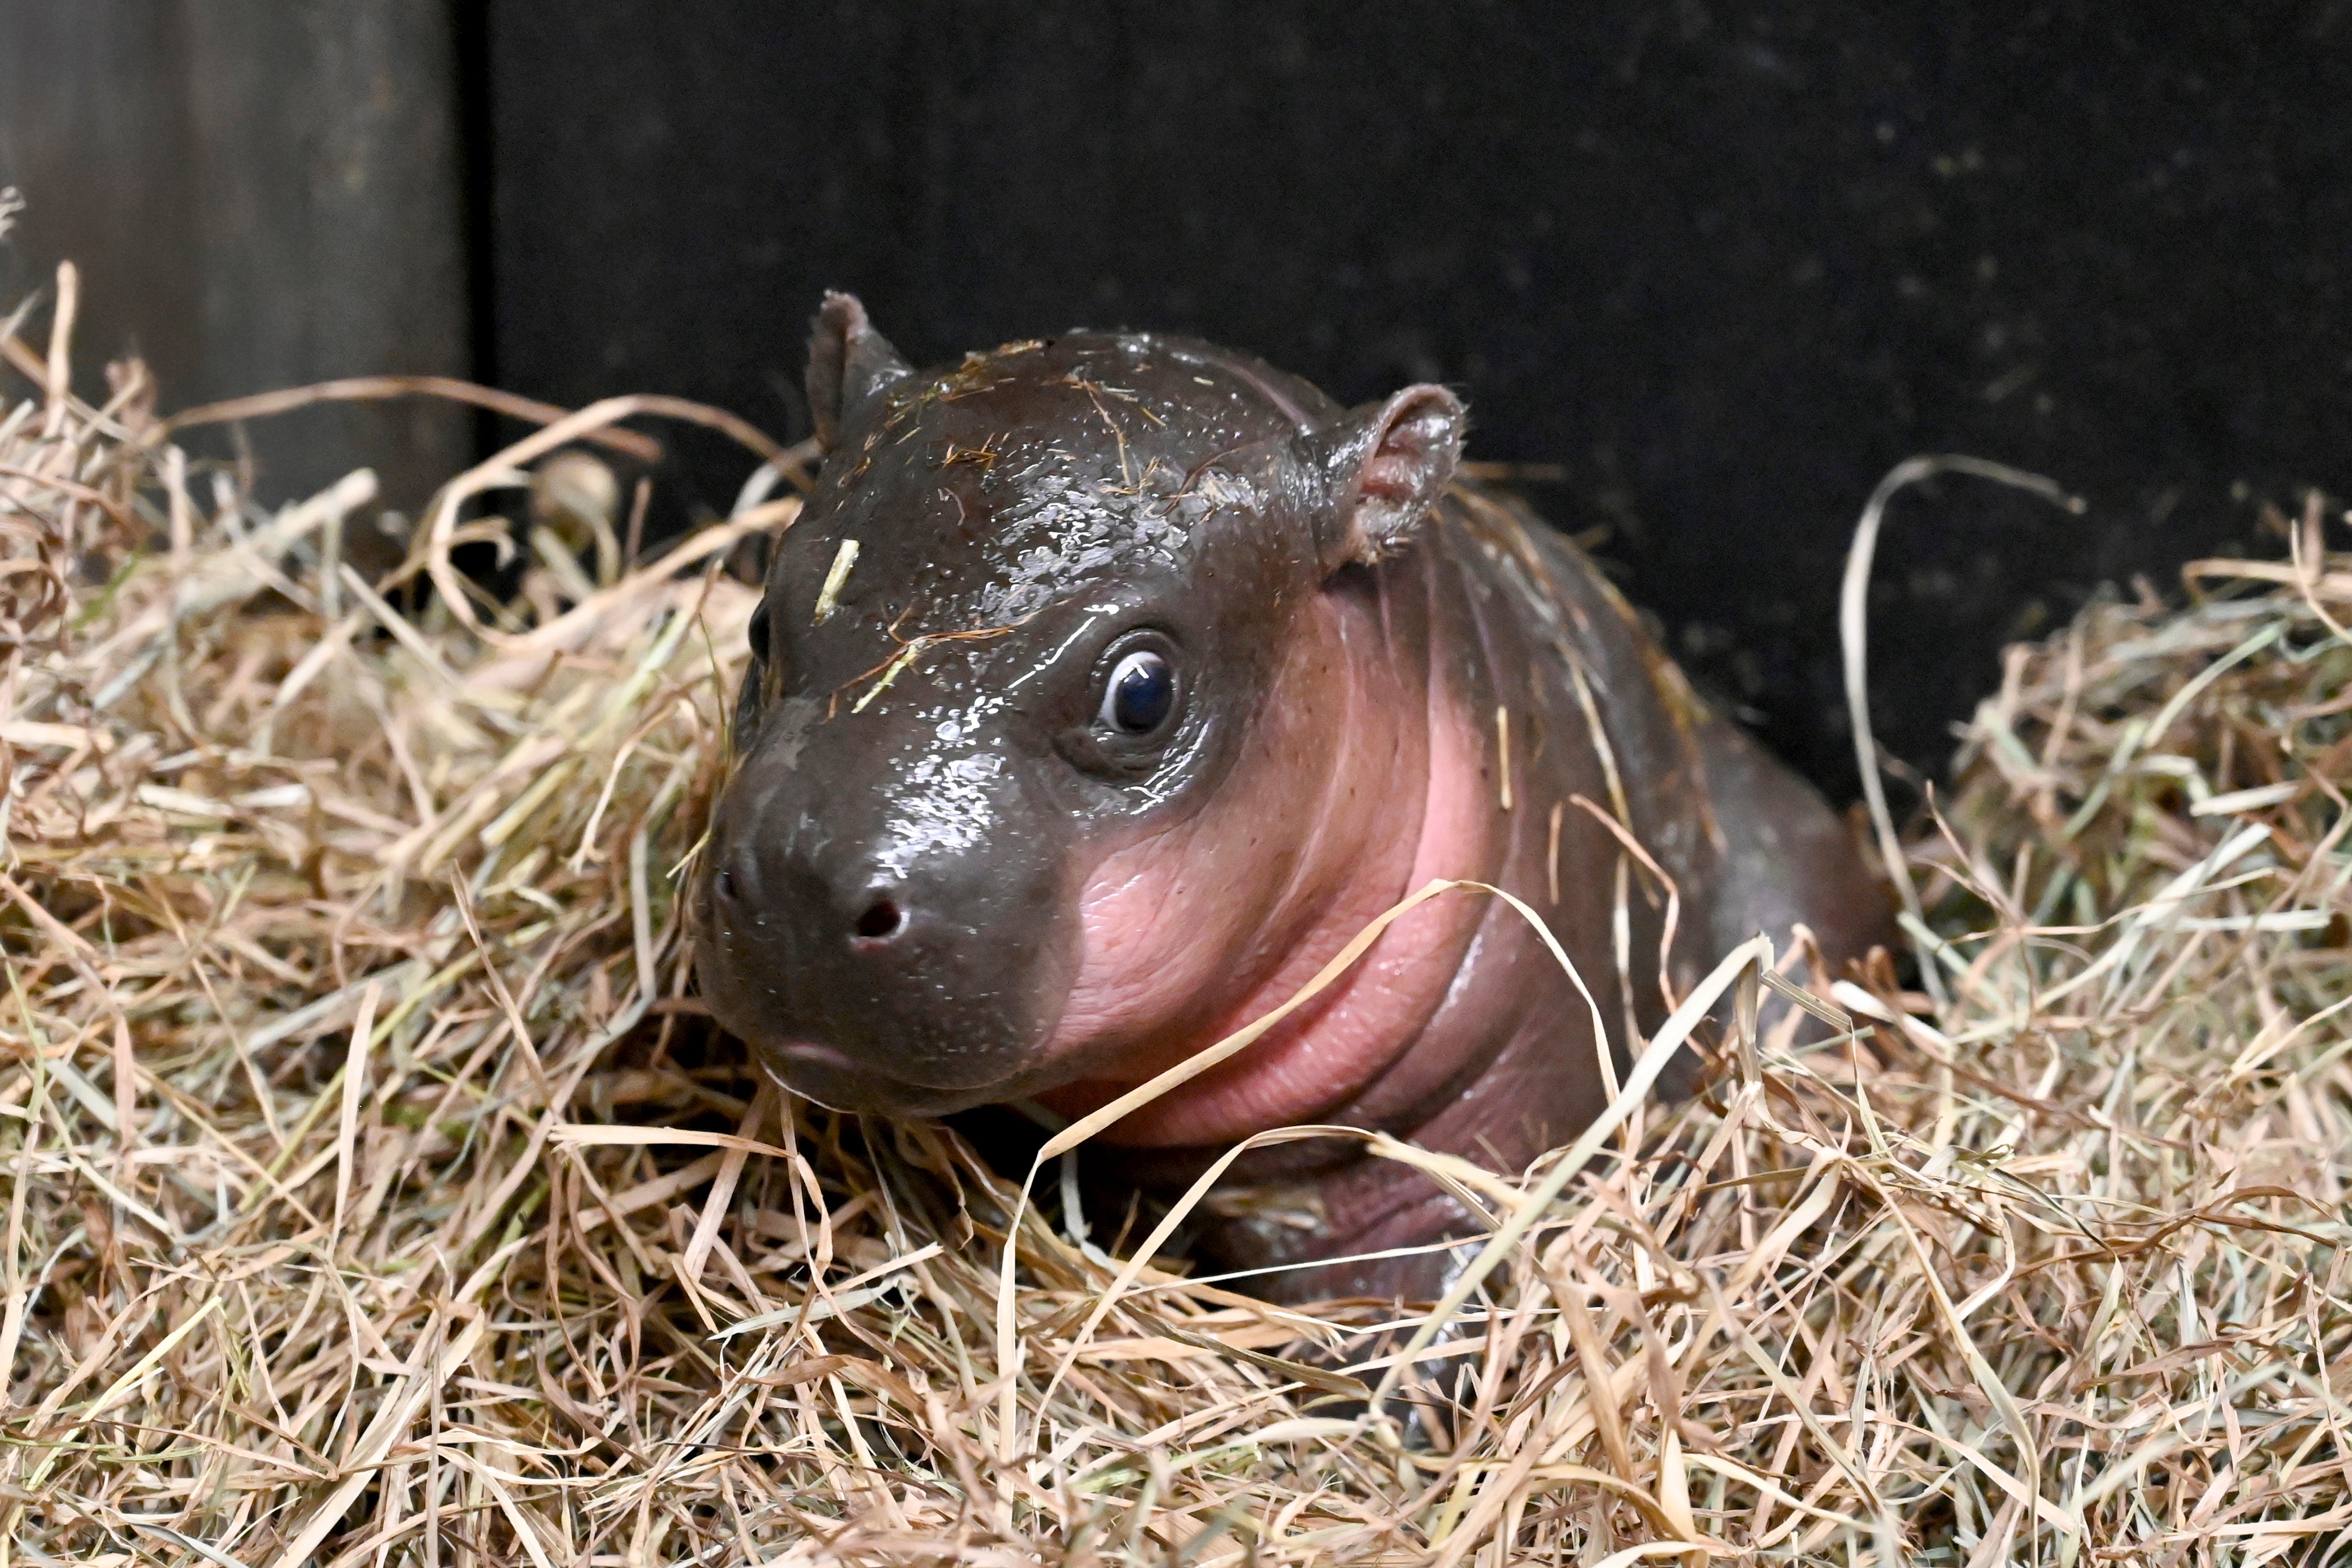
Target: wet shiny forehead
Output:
{"points": [[1168, 399], [1036, 467]]}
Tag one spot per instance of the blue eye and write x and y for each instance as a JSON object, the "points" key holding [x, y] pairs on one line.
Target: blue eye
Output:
{"points": [[1140, 693]]}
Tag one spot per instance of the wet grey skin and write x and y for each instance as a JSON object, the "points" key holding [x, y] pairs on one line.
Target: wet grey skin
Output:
{"points": [[932, 765]]}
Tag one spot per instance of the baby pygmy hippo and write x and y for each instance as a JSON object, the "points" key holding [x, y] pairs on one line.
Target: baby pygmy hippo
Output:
{"points": [[1107, 686]]}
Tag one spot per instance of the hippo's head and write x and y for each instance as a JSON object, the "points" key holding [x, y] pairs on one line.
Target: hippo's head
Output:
{"points": [[1032, 752]]}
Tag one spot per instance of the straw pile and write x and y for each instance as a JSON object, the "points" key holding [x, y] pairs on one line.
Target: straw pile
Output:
{"points": [[376, 1192]]}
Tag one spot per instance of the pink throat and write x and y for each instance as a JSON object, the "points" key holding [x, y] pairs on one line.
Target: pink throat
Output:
{"points": [[1194, 933]]}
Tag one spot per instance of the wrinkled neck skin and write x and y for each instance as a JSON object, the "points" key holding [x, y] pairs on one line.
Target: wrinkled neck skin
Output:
{"points": [[1376, 766]]}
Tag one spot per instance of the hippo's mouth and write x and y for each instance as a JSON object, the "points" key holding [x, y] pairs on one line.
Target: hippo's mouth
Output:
{"points": [[813, 1053], [830, 1076]]}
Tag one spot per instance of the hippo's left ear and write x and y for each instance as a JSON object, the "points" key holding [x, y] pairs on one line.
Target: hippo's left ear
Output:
{"points": [[1384, 466], [850, 365]]}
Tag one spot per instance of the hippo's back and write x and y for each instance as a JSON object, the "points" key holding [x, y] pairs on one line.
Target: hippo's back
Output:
{"points": [[1750, 844]]}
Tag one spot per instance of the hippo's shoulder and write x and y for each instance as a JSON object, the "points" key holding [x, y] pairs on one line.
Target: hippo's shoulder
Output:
{"points": [[1496, 540], [1561, 596]]}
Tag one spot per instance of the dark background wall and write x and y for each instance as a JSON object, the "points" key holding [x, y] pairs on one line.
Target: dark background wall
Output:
{"points": [[258, 194], [1718, 267], [1724, 266]]}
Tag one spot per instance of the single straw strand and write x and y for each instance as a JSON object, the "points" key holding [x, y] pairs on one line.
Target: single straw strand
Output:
{"points": [[1853, 637]]}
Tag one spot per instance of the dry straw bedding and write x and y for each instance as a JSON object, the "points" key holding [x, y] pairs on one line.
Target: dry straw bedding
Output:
{"points": [[376, 1192]]}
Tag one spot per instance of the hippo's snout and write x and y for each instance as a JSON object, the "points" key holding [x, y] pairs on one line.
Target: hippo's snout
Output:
{"points": [[874, 963], [778, 887], [881, 917]]}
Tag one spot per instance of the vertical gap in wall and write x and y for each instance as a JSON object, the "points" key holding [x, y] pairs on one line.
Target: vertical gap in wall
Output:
{"points": [[470, 23]]}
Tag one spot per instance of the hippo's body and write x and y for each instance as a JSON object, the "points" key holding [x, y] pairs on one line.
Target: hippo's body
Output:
{"points": [[1153, 678]]}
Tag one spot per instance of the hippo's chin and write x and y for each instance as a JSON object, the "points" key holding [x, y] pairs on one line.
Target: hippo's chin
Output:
{"points": [[827, 1076]]}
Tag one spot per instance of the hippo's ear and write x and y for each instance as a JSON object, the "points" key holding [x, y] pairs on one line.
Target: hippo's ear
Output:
{"points": [[1385, 464], [850, 364]]}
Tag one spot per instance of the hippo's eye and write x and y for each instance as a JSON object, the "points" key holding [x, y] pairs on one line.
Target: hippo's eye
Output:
{"points": [[1139, 694]]}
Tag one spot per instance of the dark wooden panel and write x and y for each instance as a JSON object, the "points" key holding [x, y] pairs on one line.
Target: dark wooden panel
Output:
{"points": [[260, 194], [1724, 264]]}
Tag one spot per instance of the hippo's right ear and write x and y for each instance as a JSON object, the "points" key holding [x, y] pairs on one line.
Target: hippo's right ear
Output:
{"points": [[850, 364], [1384, 465]]}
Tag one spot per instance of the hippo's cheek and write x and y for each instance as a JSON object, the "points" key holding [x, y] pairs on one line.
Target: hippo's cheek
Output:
{"points": [[1192, 933], [1185, 941], [1159, 926]]}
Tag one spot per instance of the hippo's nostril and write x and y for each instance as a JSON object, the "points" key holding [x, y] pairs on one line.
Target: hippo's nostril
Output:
{"points": [[726, 879], [882, 919]]}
